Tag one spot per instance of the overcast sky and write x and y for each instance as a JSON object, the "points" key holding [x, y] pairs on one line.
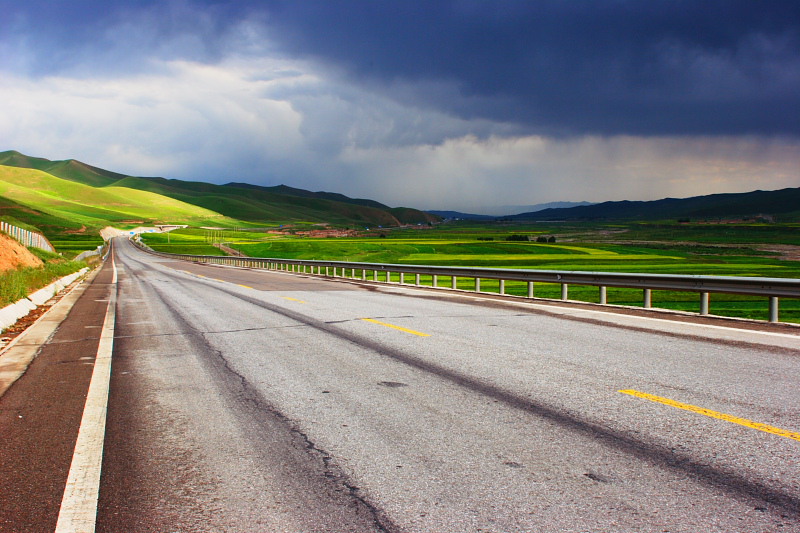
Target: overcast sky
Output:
{"points": [[432, 104]]}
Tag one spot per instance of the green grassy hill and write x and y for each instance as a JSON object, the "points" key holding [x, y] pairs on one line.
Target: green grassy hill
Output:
{"points": [[285, 190], [261, 204], [69, 194], [94, 207], [69, 170]]}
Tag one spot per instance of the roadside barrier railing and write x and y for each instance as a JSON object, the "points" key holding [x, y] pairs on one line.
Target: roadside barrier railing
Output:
{"points": [[27, 238], [772, 288]]}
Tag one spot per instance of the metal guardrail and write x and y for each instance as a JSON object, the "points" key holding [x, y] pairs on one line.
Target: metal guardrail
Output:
{"points": [[772, 288]]}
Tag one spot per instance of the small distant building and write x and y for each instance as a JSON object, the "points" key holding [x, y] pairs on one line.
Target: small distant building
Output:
{"points": [[163, 228]]}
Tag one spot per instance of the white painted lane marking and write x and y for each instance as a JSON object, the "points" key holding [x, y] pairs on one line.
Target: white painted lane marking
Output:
{"points": [[78, 512]]}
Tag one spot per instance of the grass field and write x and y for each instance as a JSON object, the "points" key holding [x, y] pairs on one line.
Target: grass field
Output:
{"points": [[18, 284], [651, 248], [73, 244]]}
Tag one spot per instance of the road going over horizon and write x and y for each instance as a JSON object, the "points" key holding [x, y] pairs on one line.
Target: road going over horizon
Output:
{"points": [[260, 401]]}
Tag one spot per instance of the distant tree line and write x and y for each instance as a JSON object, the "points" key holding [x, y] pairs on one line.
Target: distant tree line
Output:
{"points": [[526, 238]]}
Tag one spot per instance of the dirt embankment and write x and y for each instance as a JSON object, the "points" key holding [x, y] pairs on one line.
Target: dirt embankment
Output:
{"points": [[14, 255]]}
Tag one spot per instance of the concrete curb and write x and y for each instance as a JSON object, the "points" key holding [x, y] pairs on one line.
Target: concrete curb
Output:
{"points": [[11, 313]]}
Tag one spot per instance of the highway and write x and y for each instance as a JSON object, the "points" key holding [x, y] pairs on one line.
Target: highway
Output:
{"points": [[262, 401]]}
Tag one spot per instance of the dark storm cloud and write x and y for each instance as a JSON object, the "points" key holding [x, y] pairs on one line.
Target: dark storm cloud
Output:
{"points": [[553, 67], [571, 67], [466, 103], [106, 38]]}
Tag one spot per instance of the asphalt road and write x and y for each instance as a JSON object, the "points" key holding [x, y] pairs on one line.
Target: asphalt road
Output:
{"points": [[253, 401]]}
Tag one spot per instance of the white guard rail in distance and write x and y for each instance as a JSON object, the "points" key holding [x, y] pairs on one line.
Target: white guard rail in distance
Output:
{"points": [[772, 288], [31, 239]]}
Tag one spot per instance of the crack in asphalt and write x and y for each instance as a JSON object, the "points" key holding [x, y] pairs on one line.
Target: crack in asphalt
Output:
{"points": [[260, 406], [331, 471]]}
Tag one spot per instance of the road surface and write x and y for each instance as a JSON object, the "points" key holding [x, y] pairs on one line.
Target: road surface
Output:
{"points": [[255, 401]]}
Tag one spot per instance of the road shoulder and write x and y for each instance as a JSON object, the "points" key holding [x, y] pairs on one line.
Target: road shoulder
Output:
{"points": [[41, 413]]}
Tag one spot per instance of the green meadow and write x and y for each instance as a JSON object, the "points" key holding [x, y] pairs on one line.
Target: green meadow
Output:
{"points": [[648, 248]]}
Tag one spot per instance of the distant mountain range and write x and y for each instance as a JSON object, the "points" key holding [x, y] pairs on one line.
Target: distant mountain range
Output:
{"points": [[783, 204], [40, 189], [504, 211]]}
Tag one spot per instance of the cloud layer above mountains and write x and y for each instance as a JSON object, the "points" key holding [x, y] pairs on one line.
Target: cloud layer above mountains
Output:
{"points": [[457, 105]]}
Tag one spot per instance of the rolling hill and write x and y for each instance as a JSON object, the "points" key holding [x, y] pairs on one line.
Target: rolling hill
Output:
{"points": [[784, 204], [93, 206], [76, 193]]}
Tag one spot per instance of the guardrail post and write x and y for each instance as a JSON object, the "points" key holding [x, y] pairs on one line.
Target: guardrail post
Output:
{"points": [[416, 280], [477, 284], [703, 303], [530, 289], [454, 283], [402, 277], [603, 295], [773, 308], [502, 286], [374, 275], [648, 298], [565, 291], [434, 280], [388, 277]]}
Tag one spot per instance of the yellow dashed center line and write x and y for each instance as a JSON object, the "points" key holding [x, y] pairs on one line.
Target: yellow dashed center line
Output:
{"points": [[396, 327], [714, 414], [292, 299]]}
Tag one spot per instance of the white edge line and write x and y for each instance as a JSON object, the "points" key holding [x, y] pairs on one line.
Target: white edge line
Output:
{"points": [[78, 513]]}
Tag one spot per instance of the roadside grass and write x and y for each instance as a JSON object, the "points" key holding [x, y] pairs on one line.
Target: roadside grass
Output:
{"points": [[18, 284]]}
